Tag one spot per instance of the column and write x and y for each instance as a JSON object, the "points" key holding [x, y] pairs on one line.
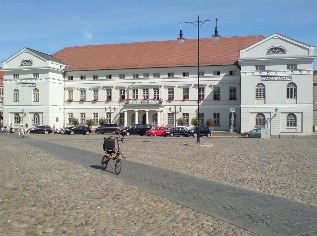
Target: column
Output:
{"points": [[136, 117], [125, 118], [159, 118], [147, 117]]}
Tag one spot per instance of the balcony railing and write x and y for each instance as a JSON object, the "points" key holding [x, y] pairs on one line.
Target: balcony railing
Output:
{"points": [[144, 102]]}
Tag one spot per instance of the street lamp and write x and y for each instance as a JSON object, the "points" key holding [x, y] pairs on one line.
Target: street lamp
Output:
{"points": [[175, 112], [181, 40], [111, 110]]}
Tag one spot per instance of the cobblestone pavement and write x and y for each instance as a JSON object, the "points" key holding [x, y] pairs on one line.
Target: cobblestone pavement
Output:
{"points": [[42, 194]]}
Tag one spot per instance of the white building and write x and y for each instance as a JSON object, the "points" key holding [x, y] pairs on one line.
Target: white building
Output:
{"points": [[156, 82]]}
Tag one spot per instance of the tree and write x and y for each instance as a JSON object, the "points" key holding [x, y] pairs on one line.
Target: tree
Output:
{"points": [[102, 121], [210, 122], [90, 122], [75, 121], [194, 122], [181, 121]]}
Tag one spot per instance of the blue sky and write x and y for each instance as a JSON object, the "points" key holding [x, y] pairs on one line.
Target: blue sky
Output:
{"points": [[51, 25]]}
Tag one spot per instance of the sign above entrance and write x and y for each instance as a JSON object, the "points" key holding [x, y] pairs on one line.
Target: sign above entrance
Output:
{"points": [[276, 78]]}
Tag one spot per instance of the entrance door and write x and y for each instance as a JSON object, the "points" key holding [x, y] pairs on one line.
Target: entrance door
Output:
{"points": [[144, 119]]}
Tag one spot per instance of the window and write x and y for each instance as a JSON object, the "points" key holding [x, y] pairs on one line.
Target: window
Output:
{"points": [[201, 73], [170, 119], [16, 95], [17, 118], [95, 77], [185, 74], [276, 50], [291, 90], [146, 75], [95, 118], [156, 93], [259, 67], [82, 118], [36, 119], [260, 120], [217, 93], [156, 75], [70, 118], [231, 73], [170, 74], [70, 95], [216, 117], [135, 76], [217, 72], [108, 94], [260, 91], [186, 118], [170, 94], [108, 117], [185, 93], [108, 76], [122, 94], [292, 67], [121, 76], [154, 119], [95, 94], [291, 120], [121, 119], [201, 118], [146, 93], [135, 94], [201, 93], [16, 76], [232, 93], [36, 95], [36, 75], [70, 77], [83, 77], [82, 94]]}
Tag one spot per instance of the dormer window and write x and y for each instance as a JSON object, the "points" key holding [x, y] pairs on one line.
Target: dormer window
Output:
{"points": [[276, 50]]}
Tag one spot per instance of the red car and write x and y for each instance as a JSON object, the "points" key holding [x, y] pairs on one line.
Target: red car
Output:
{"points": [[156, 131]]}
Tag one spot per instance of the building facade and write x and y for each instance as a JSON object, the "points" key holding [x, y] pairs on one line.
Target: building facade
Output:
{"points": [[156, 83]]}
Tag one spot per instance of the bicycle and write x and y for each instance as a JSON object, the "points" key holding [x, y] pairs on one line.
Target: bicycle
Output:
{"points": [[112, 154]]}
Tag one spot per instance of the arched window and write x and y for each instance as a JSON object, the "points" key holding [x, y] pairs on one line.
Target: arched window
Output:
{"points": [[291, 90], [291, 120], [260, 91], [260, 120], [36, 119], [17, 118], [36, 95], [154, 119], [16, 95], [276, 50]]}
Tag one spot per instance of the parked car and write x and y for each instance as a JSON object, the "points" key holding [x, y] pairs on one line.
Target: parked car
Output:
{"points": [[41, 129], [85, 130], [203, 131], [176, 131], [255, 133], [156, 131], [108, 128], [139, 129]]}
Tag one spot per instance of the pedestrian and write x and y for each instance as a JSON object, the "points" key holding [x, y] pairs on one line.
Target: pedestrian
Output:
{"points": [[11, 128]]}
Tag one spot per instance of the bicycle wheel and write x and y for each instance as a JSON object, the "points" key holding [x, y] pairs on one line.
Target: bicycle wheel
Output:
{"points": [[104, 163], [117, 167]]}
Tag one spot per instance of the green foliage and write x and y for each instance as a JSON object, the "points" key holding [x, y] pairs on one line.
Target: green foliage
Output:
{"points": [[75, 122], [181, 121], [194, 122], [90, 122], [102, 121], [210, 122]]}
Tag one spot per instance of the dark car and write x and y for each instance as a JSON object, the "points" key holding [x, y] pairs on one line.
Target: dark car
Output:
{"points": [[41, 129], [139, 129], [108, 128], [255, 133], [85, 130], [203, 131], [176, 131]]}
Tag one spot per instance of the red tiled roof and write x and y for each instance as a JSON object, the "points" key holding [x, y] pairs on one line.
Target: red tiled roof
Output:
{"points": [[1, 76], [155, 54]]}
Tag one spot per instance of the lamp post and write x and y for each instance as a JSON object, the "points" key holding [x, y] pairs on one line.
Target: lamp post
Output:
{"points": [[111, 110], [181, 40], [23, 115], [175, 112]]}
